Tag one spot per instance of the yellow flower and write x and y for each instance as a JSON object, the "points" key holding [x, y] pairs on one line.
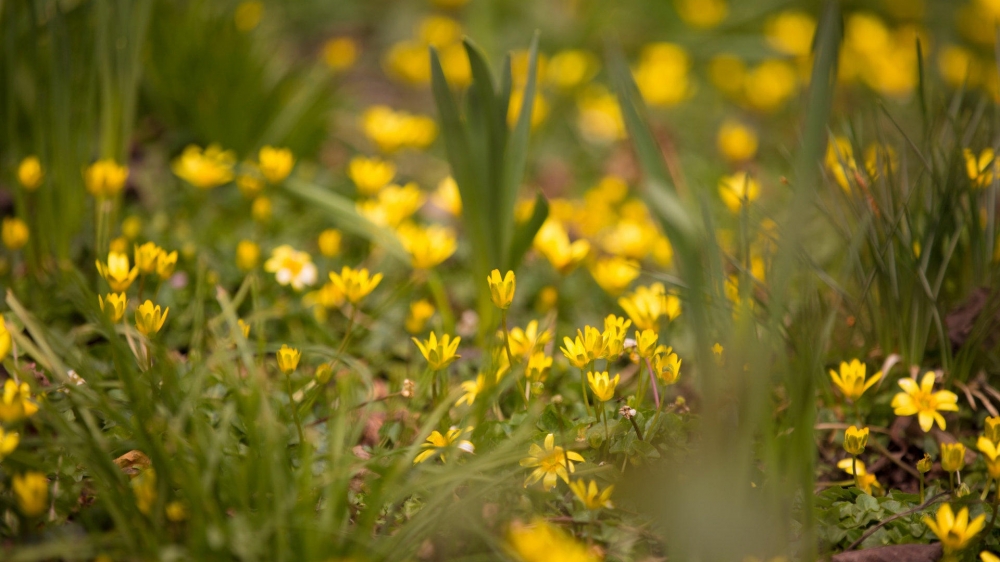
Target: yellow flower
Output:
{"points": [[250, 184], [247, 15], [867, 482], [275, 163], [920, 400], [340, 53], [165, 264], [105, 178], [600, 117], [737, 190], [244, 327], [769, 85], [420, 312], [981, 169], [392, 130], [666, 365], [791, 32], [736, 141], [472, 390], [30, 173], [602, 387], [952, 457], [851, 379], [552, 241], [542, 541], [115, 305], [31, 490], [502, 290], [702, 14], [524, 343], [149, 319], [992, 429], [14, 233], [205, 169], [393, 205], [370, 174], [646, 305], [717, 349], [549, 463], [855, 440], [615, 331], [986, 556], [614, 274], [570, 68], [538, 366], [247, 255], [591, 496], [539, 108], [439, 444], [261, 209], [840, 161], [144, 488], [439, 354], [575, 351], [16, 403], [117, 272], [291, 267], [991, 454], [447, 197], [8, 442], [662, 74], [954, 532], [288, 359], [329, 242], [131, 227], [645, 343], [323, 373], [355, 283], [428, 246], [145, 257], [176, 511]]}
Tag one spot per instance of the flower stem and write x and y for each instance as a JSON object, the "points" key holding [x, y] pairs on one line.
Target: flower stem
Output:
{"points": [[510, 356], [583, 388], [635, 426], [295, 411], [922, 487], [652, 381], [854, 469]]}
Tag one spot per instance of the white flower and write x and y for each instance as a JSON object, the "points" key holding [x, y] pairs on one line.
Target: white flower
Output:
{"points": [[291, 267]]}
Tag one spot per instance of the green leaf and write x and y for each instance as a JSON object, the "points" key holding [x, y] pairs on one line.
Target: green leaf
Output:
{"points": [[524, 234]]}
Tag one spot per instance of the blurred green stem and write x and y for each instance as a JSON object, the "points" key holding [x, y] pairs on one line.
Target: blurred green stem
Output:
{"points": [[441, 298], [583, 387], [295, 410]]}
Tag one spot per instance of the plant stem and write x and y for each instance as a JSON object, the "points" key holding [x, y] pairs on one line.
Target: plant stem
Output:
{"points": [[635, 426], [295, 411], [583, 389], [510, 356], [854, 469], [921, 488], [652, 381]]}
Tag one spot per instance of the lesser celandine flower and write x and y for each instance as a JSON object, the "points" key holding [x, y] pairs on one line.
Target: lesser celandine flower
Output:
{"points": [[666, 365], [420, 312], [149, 318], [329, 242], [538, 366], [986, 556], [275, 163], [393, 204], [541, 541], [244, 327], [370, 174], [980, 169], [356, 284], [117, 272], [145, 257], [14, 233], [602, 386], [165, 264], [105, 178], [924, 402], [31, 490], [590, 495], [501, 289], [144, 488], [552, 241], [570, 68], [288, 359], [439, 353], [427, 246], [646, 305], [16, 403], [736, 141], [924, 465], [447, 196], [769, 85], [738, 189], [614, 273], [261, 209], [791, 32], [291, 267], [702, 14], [247, 255], [954, 532], [600, 117], [992, 429], [30, 173], [840, 161], [392, 130], [851, 380], [952, 457], [662, 74], [855, 440], [251, 184], [5, 339], [438, 444], [340, 53], [615, 331], [576, 351], [550, 463], [866, 481], [524, 342], [8, 442], [113, 305], [205, 169], [991, 454], [645, 343], [472, 390]]}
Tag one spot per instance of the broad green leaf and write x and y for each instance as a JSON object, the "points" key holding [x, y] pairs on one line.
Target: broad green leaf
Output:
{"points": [[524, 234]]}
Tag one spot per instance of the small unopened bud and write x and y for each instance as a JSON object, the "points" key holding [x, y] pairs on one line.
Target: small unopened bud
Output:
{"points": [[627, 412], [924, 464], [408, 388], [323, 373], [963, 490]]}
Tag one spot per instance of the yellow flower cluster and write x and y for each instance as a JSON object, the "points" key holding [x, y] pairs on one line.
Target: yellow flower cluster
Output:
{"points": [[392, 130], [407, 61]]}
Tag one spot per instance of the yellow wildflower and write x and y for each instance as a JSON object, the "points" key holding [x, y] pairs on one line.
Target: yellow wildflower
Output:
{"points": [[614, 274], [105, 178], [145, 257], [702, 14], [552, 241], [472, 390], [840, 161], [288, 359], [615, 331], [392, 205], [427, 246], [176, 511], [738, 189], [924, 465], [588, 346], [539, 108], [769, 85], [30, 173], [247, 255], [144, 488], [645, 343], [992, 429], [646, 305], [791, 32], [244, 327], [570, 68], [980, 169], [370, 174], [438, 444], [250, 185], [666, 365], [340, 53], [539, 541], [205, 169], [116, 303], [502, 290], [986, 556], [525, 342], [275, 163], [14, 233], [590, 495], [662, 74], [356, 284], [448, 197], [261, 209], [954, 532], [851, 379], [165, 264], [952, 457], [439, 353], [291, 267], [736, 141], [149, 319], [600, 117], [922, 401], [549, 463], [247, 15], [8, 442], [538, 366], [991, 454], [329, 242], [16, 403], [392, 130], [31, 490], [420, 312], [867, 482], [855, 440], [602, 386], [117, 272]]}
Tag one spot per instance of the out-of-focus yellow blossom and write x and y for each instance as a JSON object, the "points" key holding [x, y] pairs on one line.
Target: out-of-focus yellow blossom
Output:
{"points": [[324, 373], [439, 30], [646, 343], [31, 490], [340, 53], [769, 85], [119, 245], [662, 73], [867, 482], [602, 386], [702, 14], [958, 66], [536, 542], [791, 32], [502, 289], [576, 351], [145, 257], [149, 319], [539, 108], [646, 305], [420, 312], [519, 60], [727, 73], [275, 163], [114, 305], [393, 130], [290, 266], [600, 117], [117, 272], [455, 64], [666, 365], [851, 380], [591, 496], [30, 173], [144, 488], [447, 197], [981, 169], [250, 185], [328, 297], [991, 454], [393, 205], [176, 511], [593, 343], [629, 238], [105, 178], [992, 429], [288, 359], [855, 440], [472, 390], [986, 556], [14, 233], [329, 242], [132, 227], [737, 190], [8, 442], [550, 463], [552, 241], [205, 169], [879, 158], [427, 246], [570, 68], [736, 141], [883, 59], [924, 402], [370, 174], [548, 298], [438, 444], [954, 532], [717, 349], [614, 274], [261, 209], [538, 366], [356, 284], [406, 61], [247, 255], [166, 262], [439, 353], [526, 342], [244, 327], [952, 457], [247, 15], [5, 339], [840, 161], [16, 403], [614, 334]]}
